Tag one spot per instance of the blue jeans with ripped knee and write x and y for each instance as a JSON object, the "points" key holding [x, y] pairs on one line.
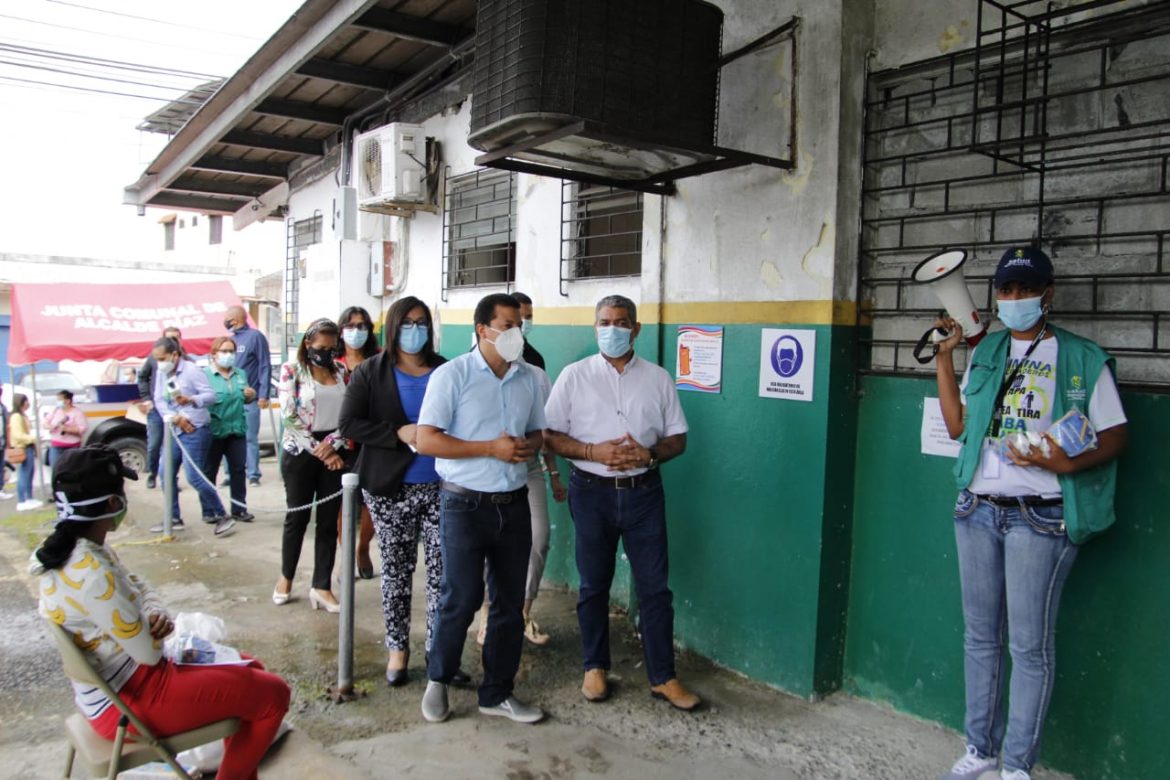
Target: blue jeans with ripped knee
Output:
{"points": [[1013, 563]]}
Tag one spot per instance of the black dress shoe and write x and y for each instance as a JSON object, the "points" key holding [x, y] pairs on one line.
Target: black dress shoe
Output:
{"points": [[397, 677], [151, 481]]}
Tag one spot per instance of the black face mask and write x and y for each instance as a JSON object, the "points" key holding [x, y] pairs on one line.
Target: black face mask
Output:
{"points": [[321, 357], [229, 324]]}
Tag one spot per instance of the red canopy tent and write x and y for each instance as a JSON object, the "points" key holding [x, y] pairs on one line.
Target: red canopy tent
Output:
{"points": [[113, 321]]}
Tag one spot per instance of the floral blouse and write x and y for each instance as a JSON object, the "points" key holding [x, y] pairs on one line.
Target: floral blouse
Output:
{"points": [[297, 406]]}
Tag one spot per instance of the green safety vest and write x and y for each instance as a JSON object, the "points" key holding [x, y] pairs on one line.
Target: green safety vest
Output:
{"points": [[1088, 495], [227, 413]]}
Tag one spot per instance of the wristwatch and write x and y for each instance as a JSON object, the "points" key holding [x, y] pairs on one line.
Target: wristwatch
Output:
{"points": [[653, 464]]}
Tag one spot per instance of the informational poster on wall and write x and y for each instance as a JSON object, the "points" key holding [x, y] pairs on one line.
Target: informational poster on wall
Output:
{"points": [[787, 363], [699, 367], [935, 439]]}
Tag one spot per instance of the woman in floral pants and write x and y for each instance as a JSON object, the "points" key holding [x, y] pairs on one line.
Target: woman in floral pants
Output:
{"points": [[401, 487]]}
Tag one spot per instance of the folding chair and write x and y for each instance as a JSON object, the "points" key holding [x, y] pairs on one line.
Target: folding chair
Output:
{"points": [[105, 758]]}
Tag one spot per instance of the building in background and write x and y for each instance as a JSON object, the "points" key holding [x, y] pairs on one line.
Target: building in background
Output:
{"points": [[813, 549]]}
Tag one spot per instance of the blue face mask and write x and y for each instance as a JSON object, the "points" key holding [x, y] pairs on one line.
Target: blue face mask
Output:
{"points": [[1022, 314], [613, 341], [354, 338], [225, 359], [412, 340]]}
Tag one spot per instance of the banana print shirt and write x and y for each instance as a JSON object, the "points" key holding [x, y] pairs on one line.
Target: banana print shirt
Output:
{"points": [[107, 610]]}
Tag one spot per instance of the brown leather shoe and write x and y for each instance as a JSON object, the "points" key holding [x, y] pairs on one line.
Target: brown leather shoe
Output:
{"points": [[595, 687], [678, 696]]}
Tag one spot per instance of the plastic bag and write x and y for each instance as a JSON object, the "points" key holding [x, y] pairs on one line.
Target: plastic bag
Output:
{"points": [[196, 641], [1074, 433], [207, 626], [1024, 441]]}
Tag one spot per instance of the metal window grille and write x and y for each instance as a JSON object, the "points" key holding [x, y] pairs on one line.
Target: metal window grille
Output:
{"points": [[215, 229], [168, 236], [1054, 128], [601, 232], [299, 234], [479, 229]]}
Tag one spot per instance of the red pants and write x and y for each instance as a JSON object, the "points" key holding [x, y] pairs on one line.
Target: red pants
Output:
{"points": [[171, 699]]}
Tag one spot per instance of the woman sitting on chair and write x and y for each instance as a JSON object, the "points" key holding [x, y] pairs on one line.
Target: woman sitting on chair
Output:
{"points": [[120, 623]]}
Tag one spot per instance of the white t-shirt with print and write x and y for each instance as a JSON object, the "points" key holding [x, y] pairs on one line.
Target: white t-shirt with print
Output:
{"points": [[1027, 406]]}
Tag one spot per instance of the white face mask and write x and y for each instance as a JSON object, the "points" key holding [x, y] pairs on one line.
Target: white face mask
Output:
{"points": [[509, 344]]}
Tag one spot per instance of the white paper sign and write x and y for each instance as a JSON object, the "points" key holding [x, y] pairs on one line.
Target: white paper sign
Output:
{"points": [[787, 363], [935, 439]]}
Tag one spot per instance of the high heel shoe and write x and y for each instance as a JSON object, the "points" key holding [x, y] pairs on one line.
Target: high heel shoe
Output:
{"points": [[397, 677], [317, 601], [280, 599]]}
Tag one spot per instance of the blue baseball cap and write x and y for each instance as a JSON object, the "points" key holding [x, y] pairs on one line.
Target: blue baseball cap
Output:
{"points": [[1025, 264]]}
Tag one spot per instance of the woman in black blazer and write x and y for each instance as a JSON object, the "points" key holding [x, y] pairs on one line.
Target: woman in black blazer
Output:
{"points": [[400, 487]]}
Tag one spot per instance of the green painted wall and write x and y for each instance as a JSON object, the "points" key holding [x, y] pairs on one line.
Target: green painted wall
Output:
{"points": [[757, 587], [1108, 716]]}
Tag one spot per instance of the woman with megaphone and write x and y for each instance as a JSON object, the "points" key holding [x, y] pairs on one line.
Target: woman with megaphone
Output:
{"points": [[1041, 425]]}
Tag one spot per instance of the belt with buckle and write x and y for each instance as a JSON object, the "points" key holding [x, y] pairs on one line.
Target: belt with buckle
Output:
{"points": [[1014, 501], [495, 498], [617, 483]]}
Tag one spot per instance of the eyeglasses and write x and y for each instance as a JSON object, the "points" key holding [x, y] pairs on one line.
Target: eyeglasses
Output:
{"points": [[357, 326], [412, 324]]}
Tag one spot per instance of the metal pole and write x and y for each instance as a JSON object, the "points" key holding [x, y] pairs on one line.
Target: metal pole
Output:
{"points": [[36, 405], [168, 455], [349, 514], [277, 433]]}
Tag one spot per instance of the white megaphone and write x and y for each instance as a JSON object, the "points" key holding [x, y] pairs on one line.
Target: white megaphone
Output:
{"points": [[942, 271]]}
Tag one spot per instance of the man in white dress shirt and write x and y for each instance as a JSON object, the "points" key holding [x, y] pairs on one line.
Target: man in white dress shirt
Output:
{"points": [[617, 418]]}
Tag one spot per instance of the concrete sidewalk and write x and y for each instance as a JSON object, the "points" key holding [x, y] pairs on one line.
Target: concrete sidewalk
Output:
{"points": [[746, 730]]}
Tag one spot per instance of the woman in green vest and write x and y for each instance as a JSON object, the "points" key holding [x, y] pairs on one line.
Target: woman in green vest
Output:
{"points": [[1023, 507], [229, 428]]}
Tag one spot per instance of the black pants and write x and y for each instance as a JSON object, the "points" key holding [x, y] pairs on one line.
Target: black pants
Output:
{"points": [[235, 449], [306, 479]]}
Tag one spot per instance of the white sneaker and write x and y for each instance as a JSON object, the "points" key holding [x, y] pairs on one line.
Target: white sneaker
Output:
{"points": [[1015, 774], [514, 709], [970, 766], [4, 496]]}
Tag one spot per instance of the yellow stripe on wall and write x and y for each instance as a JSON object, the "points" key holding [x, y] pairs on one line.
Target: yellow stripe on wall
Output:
{"points": [[827, 312]]}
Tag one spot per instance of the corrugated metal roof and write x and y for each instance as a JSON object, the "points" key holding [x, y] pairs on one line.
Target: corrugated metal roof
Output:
{"points": [[286, 105]]}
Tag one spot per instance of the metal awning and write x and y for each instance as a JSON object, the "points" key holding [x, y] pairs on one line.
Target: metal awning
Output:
{"points": [[331, 60]]}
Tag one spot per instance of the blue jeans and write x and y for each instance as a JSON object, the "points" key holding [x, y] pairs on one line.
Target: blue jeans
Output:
{"points": [[252, 418], [196, 444], [1013, 563], [473, 530], [603, 514], [24, 474], [154, 435]]}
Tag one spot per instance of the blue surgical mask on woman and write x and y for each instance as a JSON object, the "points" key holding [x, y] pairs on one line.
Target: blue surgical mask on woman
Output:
{"points": [[411, 340], [225, 359], [1021, 314], [613, 341], [354, 338]]}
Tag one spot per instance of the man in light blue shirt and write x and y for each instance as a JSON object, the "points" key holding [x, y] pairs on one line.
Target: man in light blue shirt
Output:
{"points": [[482, 419], [181, 397]]}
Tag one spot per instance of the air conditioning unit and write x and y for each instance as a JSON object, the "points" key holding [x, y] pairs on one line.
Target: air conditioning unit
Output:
{"points": [[389, 165]]}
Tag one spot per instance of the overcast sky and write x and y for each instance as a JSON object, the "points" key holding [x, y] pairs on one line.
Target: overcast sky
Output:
{"points": [[66, 154]]}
